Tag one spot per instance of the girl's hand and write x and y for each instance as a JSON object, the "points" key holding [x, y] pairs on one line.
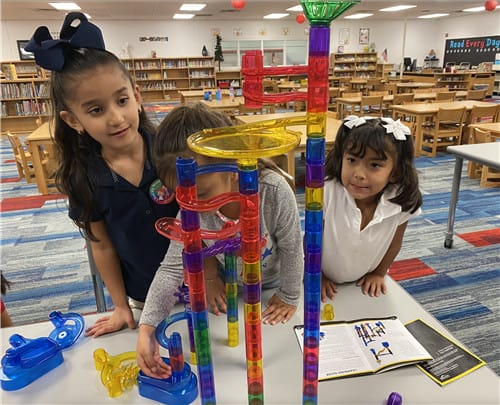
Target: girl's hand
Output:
{"points": [[328, 288], [148, 354], [277, 311], [216, 295], [121, 317], [373, 284]]}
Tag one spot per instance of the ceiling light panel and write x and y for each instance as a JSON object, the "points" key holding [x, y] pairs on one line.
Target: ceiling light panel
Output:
{"points": [[275, 16], [183, 16], [192, 7], [65, 6], [397, 8], [358, 16], [437, 15]]}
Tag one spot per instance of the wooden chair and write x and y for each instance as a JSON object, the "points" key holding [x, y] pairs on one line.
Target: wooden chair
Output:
{"points": [[445, 130], [333, 93], [378, 92], [347, 108], [50, 163], [371, 105], [270, 86], [480, 114], [23, 158], [479, 95], [399, 98], [351, 94], [345, 82], [373, 83], [445, 96], [489, 177]]}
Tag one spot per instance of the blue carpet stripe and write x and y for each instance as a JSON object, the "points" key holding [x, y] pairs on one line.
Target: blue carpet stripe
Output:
{"points": [[39, 238]]}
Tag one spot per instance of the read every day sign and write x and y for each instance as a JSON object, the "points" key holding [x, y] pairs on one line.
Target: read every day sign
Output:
{"points": [[472, 50]]}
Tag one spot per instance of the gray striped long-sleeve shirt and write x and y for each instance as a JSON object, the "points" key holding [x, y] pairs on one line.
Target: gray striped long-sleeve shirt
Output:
{"points": [[281, 259]]}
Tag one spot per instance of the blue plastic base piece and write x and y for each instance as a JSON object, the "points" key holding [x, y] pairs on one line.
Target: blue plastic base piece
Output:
{"points": [[182, 392], [28, 360]]}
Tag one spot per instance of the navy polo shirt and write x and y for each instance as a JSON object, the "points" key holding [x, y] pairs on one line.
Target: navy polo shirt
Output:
{"points": [[130, 215]]}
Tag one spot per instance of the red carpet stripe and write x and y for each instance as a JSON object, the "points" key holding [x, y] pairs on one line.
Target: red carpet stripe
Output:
{"points": [[409, 268], [26, 203], [10, 180], [482, 238]]}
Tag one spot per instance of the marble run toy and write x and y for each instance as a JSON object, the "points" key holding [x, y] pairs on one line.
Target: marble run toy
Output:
{"points": [[118, 373], [29, 359], [245, 144], [327, 313], [181, 388]]}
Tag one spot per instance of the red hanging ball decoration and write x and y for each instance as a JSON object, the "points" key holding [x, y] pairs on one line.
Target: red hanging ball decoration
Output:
{"points": [[238, 4], [490, 5], [301, 18]]}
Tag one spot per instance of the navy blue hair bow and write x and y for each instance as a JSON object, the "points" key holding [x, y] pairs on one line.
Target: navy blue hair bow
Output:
{"points": [[50, 53]]}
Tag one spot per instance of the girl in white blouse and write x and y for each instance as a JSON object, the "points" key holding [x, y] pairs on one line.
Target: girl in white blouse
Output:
{"points": [[370, 192]]}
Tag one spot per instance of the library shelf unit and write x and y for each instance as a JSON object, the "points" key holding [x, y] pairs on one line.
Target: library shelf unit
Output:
{"points": [[355, 64], [227, 78], [384, 69], [25, 101], [496, 79], [453, 81], [162, 78]]}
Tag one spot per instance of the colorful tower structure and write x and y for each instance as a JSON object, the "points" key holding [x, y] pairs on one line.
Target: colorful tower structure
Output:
{"points": [[320, 14]]}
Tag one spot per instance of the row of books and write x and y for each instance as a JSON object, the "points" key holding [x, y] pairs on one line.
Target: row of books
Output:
{"points": [[25, 109], [24, 90]]}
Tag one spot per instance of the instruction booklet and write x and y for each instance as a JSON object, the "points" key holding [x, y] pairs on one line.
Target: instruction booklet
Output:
{"points": [[364, 346], [450, 360]]}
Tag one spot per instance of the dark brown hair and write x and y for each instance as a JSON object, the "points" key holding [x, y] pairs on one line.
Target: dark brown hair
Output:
{"points": [[373, 135], [178, 125], [77, 150]]}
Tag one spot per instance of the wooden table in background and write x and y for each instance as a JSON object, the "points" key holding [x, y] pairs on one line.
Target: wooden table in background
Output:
{"points": [[388, 99], [493, 127], [226, 103], [197, 95], [37, 141], [332, 126], [419, 111]]}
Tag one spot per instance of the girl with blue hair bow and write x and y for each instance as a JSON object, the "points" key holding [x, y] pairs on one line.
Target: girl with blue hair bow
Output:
{"points": [[104, 142]]}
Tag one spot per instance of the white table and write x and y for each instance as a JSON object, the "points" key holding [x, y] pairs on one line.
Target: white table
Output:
{"points": [[482, 153], [76, 381]]}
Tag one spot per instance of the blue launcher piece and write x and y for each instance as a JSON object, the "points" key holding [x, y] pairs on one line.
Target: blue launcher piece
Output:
{"points": [[178, 389], [181, 388], [29, 359]]}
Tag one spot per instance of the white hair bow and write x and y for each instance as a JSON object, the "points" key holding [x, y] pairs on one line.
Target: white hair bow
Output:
{"points": [[352, 121], [397, 128]]}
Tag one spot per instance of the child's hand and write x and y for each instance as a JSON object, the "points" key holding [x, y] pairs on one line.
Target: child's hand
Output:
{"points": [[216, 296], [328, 288], [148, 354], [121, 317], [372, 284], [277, 311]]}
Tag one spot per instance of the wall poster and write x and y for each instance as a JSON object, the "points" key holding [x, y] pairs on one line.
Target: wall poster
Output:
{"points": [[471, 50], [364, 36]]}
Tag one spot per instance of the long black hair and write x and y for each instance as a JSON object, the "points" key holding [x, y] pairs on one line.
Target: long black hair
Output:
{"points": [[75, 150], [373, 135]]}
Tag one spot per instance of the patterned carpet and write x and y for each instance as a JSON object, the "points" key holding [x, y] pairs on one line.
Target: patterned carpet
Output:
{"points": [[43, 254]]}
